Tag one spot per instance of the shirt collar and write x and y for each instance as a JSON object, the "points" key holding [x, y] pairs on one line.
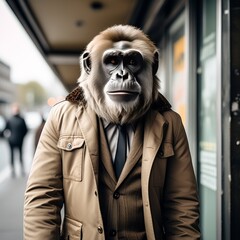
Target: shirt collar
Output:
{"points": [[107, 124]]}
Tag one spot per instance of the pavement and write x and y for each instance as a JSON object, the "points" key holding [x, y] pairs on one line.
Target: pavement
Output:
{"points": [[12, 189]]}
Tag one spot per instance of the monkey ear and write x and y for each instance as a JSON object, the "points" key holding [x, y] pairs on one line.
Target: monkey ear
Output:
{"points": [[155, 62], [86, 62]]}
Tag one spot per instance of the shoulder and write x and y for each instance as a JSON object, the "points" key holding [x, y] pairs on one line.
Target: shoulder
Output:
{"points": [[163, 107], [161, 104], [175, 129], [61, 117], [172, 117], [63, 107], [62, 113]]}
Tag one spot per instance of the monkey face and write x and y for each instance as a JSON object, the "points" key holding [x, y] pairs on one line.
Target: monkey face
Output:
{"points": [[122, 68], [118, 82]]}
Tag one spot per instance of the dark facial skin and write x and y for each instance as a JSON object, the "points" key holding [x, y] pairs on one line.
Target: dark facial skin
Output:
{"points": [[122, 67]]}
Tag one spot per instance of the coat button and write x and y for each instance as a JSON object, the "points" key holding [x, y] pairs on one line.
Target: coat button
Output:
{"points": [[116, 195], [113, 233], [161, 153], [100, 230], [69, 146]]}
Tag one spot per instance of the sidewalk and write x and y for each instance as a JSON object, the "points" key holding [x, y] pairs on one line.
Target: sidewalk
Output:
{"points": [[4, 159], [11, 199], [12, 191]]}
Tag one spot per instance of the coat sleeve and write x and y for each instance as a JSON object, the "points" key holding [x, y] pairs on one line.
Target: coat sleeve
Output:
{"points": [[181, 204], [44, 192]]}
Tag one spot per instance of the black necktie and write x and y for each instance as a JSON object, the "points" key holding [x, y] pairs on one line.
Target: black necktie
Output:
{"points": [[120, 157]]}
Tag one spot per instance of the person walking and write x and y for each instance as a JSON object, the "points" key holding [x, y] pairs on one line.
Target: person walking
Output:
{"points": [[39, 131], [15, 131]]}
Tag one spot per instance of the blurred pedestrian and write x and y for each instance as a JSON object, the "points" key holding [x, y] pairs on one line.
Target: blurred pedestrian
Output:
{"points": [[39, 131], [15, 131]]}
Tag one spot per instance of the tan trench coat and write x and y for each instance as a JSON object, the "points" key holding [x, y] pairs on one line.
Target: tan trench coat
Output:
{"points": [[65, 169]]}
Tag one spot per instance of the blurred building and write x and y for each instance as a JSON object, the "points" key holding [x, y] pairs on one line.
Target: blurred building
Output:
{"points": [[7, 88]]}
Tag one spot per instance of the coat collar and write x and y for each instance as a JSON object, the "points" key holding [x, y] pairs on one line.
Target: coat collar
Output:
{"points": [[77, 97]]}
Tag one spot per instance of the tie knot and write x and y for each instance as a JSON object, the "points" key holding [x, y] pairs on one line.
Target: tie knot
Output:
{"points": [[122, 128]]}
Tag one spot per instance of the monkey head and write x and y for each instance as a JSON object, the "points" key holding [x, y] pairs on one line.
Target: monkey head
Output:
{"points": [[118, 74]]}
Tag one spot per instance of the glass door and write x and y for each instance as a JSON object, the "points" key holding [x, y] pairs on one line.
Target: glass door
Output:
{"points": [[208, 117], [178, 81]]}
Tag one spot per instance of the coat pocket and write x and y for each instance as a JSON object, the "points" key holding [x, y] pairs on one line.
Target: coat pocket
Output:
{"points": [[72, 149], [72, 230], [70, 143]]}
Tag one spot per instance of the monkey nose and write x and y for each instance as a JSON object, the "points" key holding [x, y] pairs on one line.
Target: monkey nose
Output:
{"points": [[122, 74]]}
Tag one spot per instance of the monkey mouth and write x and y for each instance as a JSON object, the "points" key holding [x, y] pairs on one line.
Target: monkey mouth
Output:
{"points": [[122, 96]]}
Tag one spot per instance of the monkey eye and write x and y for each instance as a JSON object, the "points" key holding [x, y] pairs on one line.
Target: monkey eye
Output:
{"points": [[133, 60], [111, 60]]}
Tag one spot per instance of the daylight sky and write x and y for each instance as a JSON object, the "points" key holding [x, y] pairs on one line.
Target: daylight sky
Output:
{"points": [[19, 52]]}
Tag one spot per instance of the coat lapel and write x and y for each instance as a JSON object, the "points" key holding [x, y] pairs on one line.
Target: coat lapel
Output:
{"points": [[105, 154], [134, 154], [88, 124], [153, 136], [146, 143]]}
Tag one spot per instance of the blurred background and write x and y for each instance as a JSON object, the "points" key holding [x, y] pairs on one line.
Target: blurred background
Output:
{"points": [[25, 75], [199, 68]]}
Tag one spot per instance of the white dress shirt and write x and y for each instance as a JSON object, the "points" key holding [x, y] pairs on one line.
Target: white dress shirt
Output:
{"points": [[112, 131]]}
